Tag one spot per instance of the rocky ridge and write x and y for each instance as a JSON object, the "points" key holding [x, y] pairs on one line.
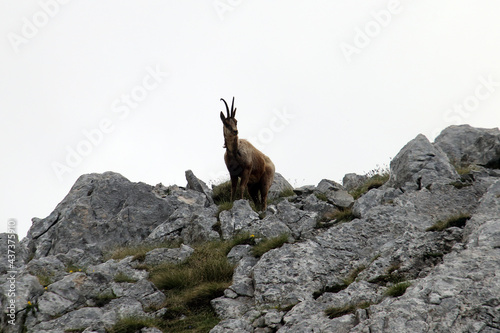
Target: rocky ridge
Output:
{"points": [[380, 263]]}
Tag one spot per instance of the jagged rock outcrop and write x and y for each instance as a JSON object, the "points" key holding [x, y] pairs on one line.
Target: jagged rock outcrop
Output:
{"points": [[419, 254], [465, 144]]}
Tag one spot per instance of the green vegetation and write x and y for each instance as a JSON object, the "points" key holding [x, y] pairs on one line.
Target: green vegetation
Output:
{"points": [[453, 221], [71, 268], [268, 244], [45, 279], [192, 284], [376, 179], [464, 168], [391, 276], [335, 312], [138, 251], [458, 184], [122, 277], [321, 196], [288, 192], [350, 278], [134, 324], [208, 263], [103, 299], [343, 215], [222, 193], [397, 289]]}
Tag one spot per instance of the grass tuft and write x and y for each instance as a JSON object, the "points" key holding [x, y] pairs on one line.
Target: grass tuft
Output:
{"points": [[192, 284], [138, 251], [459, 221], [375, 181], [350, 278], [398, 289], [122, 277], [335, 312], [268, 244], [103, 299]]}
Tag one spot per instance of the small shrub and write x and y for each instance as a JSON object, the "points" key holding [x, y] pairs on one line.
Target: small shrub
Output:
{"points": [[268, 244], [398, 289], [459, 221]]}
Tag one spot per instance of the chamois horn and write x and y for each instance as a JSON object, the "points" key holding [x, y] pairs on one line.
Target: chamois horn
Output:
{"points": [[227, 107], [233, 110]]}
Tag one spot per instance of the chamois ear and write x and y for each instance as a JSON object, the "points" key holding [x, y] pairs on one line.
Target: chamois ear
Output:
{"points": [[222, 116], [234, 112]]}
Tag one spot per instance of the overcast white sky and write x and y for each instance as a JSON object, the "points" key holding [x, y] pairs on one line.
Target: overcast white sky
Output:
{"points": [[322, 87]]}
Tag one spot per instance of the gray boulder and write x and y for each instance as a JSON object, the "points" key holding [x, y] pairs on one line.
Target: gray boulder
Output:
{"points": [[467, 145], [198, 185], [335, 193], [164, 255], [420, 164], [279, 185], [238, 218], [100, 211], [352, 181]]}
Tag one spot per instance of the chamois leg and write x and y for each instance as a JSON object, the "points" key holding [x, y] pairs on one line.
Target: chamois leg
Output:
{"points": [[264, 189], [253, 189], [234, 184], [245, 176]]}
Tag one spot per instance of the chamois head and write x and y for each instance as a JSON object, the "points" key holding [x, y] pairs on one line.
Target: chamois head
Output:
{"points": [[229, 122]]}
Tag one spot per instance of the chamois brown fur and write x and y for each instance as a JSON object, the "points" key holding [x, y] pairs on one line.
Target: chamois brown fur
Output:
{"points": [[244, 161]]}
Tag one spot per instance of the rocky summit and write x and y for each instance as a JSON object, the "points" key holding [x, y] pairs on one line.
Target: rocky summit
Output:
{"points": [[412, 249]]}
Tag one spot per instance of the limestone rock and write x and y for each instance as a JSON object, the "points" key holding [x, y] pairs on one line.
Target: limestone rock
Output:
{"points": [[420, 164], [467, 145]]}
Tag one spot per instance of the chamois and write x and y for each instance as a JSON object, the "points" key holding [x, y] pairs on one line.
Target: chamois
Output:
{"points": [[244, 161]]}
